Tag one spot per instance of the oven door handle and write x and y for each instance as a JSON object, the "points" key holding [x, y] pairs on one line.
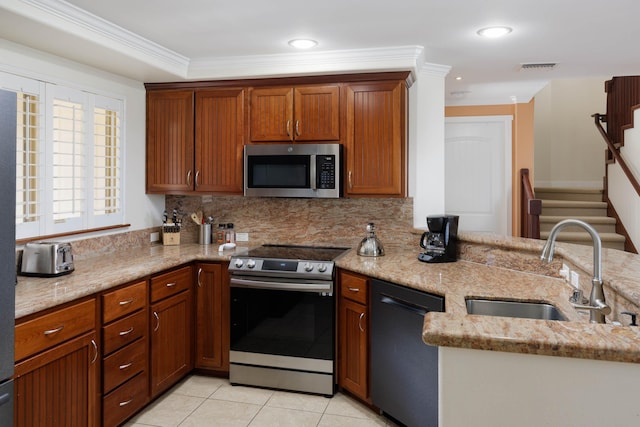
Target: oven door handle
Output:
{"points": [[281, 286]]}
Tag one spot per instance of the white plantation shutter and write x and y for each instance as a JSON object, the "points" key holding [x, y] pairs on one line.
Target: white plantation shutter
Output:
{"points": [[69, 158], [107, 161]]}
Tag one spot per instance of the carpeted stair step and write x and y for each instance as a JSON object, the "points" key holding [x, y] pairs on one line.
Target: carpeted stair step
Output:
{"points": [[572, 208], [602, 224], [562, 193], [609, 240]]}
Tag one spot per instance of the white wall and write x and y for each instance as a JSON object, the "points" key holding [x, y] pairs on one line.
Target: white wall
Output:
{"points": [[623, 196], [142, 211], [569, 150], [426, 143]]}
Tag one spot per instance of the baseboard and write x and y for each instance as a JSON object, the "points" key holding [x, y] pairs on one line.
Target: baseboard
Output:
{"points": [[568, 184]]}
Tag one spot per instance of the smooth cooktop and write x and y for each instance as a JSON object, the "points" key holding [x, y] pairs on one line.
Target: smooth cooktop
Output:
{"points": [[293, 252]]}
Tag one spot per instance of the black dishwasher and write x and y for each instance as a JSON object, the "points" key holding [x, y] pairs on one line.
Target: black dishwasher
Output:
{"points": [[404, 370]]}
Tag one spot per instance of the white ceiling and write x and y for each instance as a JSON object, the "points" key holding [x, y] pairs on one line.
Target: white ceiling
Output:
{"points": [[169, 40]]}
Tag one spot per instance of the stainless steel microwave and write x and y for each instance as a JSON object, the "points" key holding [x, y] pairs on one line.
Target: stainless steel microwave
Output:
{"points": [[293, 170]]}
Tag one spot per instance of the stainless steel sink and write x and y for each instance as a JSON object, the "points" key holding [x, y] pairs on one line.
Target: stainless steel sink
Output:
{"points": [[507, 308]]}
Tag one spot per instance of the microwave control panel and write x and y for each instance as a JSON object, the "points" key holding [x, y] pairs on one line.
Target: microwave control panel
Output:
{"points": [[326, 171]]}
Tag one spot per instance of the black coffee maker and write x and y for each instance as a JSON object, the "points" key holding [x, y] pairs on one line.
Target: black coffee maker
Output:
{"points": [[441, 241]]}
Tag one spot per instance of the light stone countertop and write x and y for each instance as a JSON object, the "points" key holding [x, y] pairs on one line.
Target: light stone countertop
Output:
{"points": [[491, 266]]}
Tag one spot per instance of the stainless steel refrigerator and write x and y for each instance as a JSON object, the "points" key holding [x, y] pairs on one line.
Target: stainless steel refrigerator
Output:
{"points": [[7, 252]]}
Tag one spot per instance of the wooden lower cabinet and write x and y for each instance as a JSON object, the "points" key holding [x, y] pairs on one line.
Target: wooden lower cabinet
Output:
{"points": [[59, 386], [212, 317], [125, 350], [57, 374], [353, 335], [171, 340]]}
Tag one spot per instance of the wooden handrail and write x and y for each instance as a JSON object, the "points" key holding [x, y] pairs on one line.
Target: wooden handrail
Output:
{"points": [[531, 208], [615, 152]]}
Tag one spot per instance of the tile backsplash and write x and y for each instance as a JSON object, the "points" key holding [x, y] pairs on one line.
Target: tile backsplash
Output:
{"points": [[313, 221]]}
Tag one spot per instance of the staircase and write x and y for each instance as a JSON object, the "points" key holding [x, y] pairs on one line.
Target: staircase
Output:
{"points": [[579, 203]]}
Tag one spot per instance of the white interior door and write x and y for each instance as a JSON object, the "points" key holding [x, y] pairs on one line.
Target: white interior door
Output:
{"points": [[478, 172]]}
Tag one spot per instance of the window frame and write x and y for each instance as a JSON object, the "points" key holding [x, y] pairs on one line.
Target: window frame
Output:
{"points": [[90, 220]]}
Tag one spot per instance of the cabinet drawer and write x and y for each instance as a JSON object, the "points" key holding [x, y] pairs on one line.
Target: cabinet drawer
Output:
{"points": [[170, 283], [124, 331], [51, 329], [123, 301], [125, 401], [124, 364], [354, 287]]}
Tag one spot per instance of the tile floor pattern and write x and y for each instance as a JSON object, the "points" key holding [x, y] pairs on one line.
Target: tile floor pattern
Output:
{"points": [[200, 401]]}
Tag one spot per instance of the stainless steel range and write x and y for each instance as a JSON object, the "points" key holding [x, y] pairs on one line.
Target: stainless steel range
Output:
{"points": [[283, 318]]}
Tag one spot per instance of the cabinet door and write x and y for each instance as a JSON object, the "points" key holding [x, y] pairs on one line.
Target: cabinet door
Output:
{"points": [[376, 139], [59, 386], [317, 113], [170, 155], [353, 351], [271, 111], [219, 140], [170, 341], [212, 318]]}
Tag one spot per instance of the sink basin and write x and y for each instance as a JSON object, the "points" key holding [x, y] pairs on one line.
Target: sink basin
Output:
{"points": [[506, 308]]}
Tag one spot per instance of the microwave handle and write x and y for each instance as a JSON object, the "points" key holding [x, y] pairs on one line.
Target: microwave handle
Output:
{"points": [[312, 172]]}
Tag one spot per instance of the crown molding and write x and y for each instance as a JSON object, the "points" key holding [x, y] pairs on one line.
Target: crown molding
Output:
{"points": [[307, 63], [123, 40]]}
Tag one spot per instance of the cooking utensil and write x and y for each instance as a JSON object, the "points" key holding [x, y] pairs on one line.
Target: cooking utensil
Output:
{"points": [[194, 217]]}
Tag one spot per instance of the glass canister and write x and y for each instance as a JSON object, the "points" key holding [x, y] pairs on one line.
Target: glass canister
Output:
{"points": [[221, 234]]}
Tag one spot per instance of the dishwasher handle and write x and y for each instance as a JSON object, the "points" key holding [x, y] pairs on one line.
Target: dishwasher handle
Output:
{"points": [[404, 305]]}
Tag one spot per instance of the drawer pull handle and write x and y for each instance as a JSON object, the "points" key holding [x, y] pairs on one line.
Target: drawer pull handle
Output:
{"points": [[127, 302], [354, 289], [127, 332], [125, 366], [125, 403], [297, 127], [95, 348], [288, 126], [199, 274], [360, 322], [171, 285], [54, 331]]}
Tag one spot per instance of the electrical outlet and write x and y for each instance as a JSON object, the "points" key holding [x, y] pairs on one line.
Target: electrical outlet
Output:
{"points": [[242, 237], [154, 237], [575, 279], [564, 272]]}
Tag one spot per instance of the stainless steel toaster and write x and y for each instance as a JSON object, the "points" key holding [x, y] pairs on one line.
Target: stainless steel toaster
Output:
{"points": [[46, 259]]}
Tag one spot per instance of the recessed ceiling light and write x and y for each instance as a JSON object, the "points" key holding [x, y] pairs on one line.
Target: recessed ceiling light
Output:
{"points": [[493, 32], [303, 43], [459, 78]]}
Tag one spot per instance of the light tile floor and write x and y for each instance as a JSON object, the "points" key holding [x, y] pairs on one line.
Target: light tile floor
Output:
{"points": [[199, 401]]}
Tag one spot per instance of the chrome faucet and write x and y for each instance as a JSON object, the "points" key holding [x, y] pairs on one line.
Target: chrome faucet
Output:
{"points": [[597, 306]]}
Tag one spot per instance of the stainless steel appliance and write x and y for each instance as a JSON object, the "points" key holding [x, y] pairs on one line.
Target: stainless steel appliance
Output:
{"points": [[283, 318], [404, 370], [7, 253], [293, 170], [46, 259], [441, 241]]}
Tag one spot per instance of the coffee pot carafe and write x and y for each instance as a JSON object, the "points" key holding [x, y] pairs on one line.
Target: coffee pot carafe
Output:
{"points": [[440, 242]]}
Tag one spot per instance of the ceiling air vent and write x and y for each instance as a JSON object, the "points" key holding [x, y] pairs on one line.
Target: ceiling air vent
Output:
{"points": [[538, 66]]}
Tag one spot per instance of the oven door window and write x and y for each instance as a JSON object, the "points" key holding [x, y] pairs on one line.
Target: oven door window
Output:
{"points": [[291, 171], [286, 323]]}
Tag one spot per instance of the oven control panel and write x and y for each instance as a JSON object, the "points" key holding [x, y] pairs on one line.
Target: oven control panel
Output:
{"points": [[282, 267]]}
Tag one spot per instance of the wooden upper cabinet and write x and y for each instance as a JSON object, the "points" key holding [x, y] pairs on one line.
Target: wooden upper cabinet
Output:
{"points": [[219, 140], [375, 139], [301, 113], [170, 160]]}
